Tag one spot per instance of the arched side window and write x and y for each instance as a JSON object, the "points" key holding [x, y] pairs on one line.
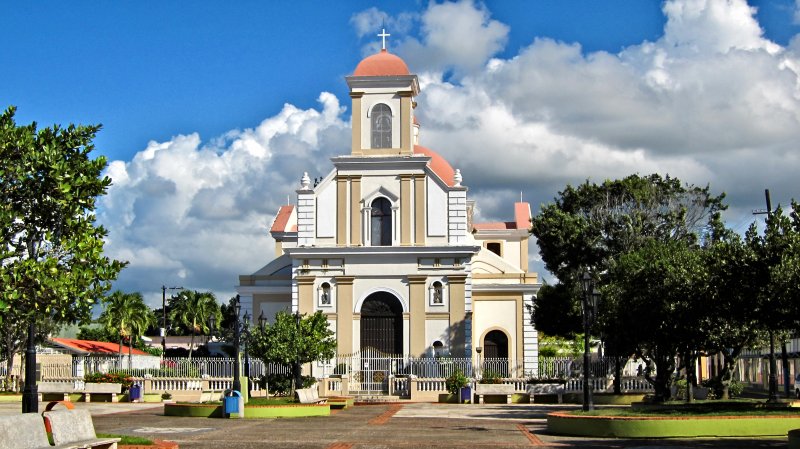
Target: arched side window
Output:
{"points": [[438, 348], [381, 121], [437, 294], [381, 222], [325, 298]]}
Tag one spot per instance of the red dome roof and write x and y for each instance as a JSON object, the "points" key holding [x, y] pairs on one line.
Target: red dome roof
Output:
{"points": [[381, 64], [438, 164]]}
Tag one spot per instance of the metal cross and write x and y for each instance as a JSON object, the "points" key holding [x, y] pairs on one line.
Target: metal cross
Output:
{"points": [[383, 36]]}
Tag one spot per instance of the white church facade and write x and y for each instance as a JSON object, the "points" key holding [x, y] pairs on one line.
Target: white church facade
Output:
{"points": [[386, 247]]}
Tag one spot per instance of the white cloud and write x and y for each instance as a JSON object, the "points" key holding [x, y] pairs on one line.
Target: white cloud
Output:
{"points": [[198, 215], [711, 101]]}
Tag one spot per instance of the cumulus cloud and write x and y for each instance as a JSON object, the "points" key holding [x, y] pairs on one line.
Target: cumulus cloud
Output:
{"points": [[194, 214], [711, 101]]}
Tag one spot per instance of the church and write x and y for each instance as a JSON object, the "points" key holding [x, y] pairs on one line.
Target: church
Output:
{"points": [[386, 247]]}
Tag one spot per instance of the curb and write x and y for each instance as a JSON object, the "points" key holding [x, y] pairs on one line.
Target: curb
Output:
{"points": [[157, 444]]}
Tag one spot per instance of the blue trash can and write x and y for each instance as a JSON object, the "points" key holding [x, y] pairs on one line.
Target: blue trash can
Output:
{"points": [[231, 403], [135, 393], [466, 395]]}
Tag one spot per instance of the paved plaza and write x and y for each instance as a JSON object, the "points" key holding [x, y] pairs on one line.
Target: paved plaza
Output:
{"points": [[409, 425]]}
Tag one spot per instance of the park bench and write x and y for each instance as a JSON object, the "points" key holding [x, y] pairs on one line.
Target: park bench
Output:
{"points": [[542, 389], [74, 428], [482, 390], [23, 431], [309, 396], [67, 388]]}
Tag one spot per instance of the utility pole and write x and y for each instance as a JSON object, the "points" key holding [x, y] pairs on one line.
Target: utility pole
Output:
{"points": [[773, 366]]}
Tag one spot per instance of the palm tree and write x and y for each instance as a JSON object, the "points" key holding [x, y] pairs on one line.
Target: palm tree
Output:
{"points": [[142, 318], [193, 309], [123, 314]]}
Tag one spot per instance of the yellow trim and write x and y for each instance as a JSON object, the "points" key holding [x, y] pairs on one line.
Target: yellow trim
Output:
{"points": [[405, 210], [355, 120], [341, 211], [344, 314], [458, 314], [305, 294], [437, 316], [278, 248], [405, 123], [523, 254], [419, 210], [355, 210], [524, 278], [416, 327]]}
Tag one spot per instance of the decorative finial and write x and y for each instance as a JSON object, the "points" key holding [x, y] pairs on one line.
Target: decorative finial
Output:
{"points": [[457, 178], [383, 36], [305, 181]]}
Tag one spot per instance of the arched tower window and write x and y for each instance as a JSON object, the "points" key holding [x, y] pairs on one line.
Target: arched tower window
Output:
{"points": [[381, 222], [381, 120]]}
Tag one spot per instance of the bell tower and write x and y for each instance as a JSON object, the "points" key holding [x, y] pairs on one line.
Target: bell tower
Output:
{"points": [[382, 90]]}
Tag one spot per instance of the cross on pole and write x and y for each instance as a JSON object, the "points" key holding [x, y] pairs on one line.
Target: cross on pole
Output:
{"points": [[383, 36]]}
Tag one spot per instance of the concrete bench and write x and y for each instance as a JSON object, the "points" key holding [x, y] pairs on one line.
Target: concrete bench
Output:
{"points": [[482, 390], [554, 388], [309, 396], [68, 388], [74, 428], [24, 431]]}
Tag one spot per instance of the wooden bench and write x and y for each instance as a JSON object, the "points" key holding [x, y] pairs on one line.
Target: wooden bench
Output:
{"points": [[74, 428], [24, 431], [482, 390], [309, 396]]}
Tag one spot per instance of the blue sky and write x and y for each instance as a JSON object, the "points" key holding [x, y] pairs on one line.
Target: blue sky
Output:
{"points": [[212, 110]]}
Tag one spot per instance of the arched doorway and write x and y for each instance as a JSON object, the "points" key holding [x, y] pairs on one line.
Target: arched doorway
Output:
{"points": [[495, 357], [382, 323]]}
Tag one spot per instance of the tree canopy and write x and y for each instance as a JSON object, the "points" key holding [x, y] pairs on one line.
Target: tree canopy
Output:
{"points": [[193, 309], [52, 266]]}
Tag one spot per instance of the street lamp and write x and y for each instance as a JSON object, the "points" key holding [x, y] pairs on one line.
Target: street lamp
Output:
{"points": [[589, 303], [298, 380], [164, 289]]}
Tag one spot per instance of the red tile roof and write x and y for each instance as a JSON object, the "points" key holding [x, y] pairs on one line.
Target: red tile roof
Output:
{"points": [[522, 220], [438, 164], [93, 347], [282, 219], [381, 64]]}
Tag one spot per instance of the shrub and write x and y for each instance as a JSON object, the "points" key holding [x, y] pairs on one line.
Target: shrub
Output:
{"points": [[735, 388], [491, 377], [281, 384], [110, 377], [456, 381]]}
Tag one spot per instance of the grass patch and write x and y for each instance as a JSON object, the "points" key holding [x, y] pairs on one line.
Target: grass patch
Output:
{"points": [[272, 401], [739, 408], [127, 439]]}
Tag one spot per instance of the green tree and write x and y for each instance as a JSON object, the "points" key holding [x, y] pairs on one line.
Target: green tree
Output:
{"points": [[126, 316], [658, 292], [289, 341], [193, 309], [51, 251]]}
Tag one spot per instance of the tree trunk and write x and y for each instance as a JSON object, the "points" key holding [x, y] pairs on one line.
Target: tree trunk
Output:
{"points": [[787, 379], [130, 352], [191, 345], [726, 373], [690, 377], [617, 375]]}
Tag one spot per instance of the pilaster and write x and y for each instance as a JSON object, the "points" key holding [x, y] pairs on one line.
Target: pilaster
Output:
{"points": [[355, 210], [344, 314], [416, 295], [341, 211], [405, 210], [419, 210], [458, 315]]}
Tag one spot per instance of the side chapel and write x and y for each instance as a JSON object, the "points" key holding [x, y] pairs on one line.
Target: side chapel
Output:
{"points": [[386, 247]]}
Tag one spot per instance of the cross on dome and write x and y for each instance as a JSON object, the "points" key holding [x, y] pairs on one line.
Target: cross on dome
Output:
{"points": [[383, 36]]}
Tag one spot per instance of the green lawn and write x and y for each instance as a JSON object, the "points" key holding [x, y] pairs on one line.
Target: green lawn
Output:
{"points": [[699, 408], [127, 439]]}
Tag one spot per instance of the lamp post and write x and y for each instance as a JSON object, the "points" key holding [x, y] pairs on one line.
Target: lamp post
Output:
{"points": [[589, 303], [164, 289], [246, 333], [298, 380], [479, 370], [30, 394], [237, 381]]}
